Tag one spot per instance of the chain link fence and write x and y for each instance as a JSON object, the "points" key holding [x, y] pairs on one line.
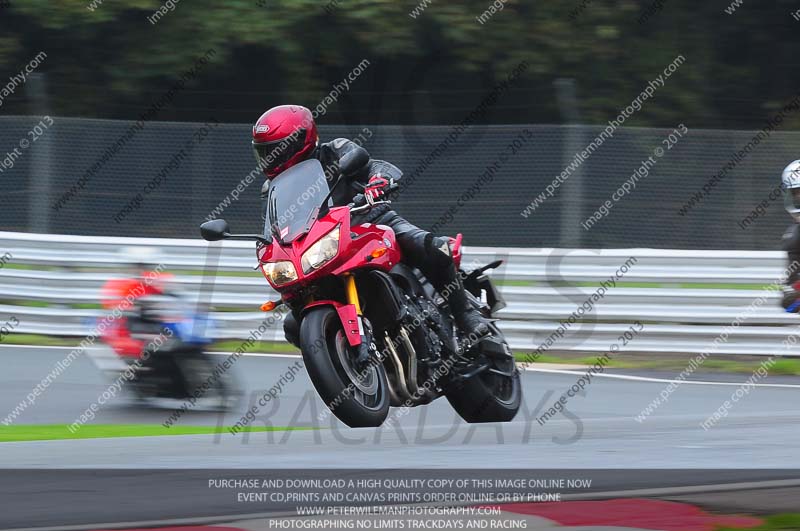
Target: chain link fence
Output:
{"points": [[453, 189]]}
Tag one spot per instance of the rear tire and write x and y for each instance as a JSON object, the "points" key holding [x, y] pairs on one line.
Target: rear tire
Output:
{"points": [[196, 368], [328, 358], [489, 397], [475, 402]]}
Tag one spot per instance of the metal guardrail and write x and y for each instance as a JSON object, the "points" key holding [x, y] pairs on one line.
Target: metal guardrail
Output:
{"points": [[50, 274]]}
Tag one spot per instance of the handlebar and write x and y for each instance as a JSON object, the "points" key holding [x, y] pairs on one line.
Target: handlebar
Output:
{"points": [[360, 202]]}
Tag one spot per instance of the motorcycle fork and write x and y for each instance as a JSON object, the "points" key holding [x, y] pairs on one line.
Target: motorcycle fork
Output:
{"points": [[351, 291]]}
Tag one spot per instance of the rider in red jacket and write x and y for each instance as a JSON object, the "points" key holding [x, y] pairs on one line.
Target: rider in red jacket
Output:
{"points": [[126, 299], [286, 135]]}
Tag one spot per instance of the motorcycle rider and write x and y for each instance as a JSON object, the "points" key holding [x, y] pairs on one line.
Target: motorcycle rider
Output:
{"points": [[146, 309], [133, 298], [790, 181], [286, 135]]}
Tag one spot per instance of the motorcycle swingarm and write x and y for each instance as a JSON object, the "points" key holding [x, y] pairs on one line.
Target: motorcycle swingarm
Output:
{"points": [[471, 372], [493, 347], [489, 347], [480, 369]]}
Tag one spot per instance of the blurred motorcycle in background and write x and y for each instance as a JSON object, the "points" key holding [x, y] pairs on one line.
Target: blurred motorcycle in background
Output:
{"points": [[156, 339]]}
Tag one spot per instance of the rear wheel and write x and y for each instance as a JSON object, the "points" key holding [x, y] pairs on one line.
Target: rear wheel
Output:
{"points": [[358, 396], [494, 395], [195, 377]]}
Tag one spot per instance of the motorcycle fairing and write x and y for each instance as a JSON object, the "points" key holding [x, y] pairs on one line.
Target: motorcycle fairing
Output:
{"points": [[360, 246]]}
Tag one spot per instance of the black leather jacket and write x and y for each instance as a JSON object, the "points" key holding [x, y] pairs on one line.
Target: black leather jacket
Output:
{"points": [[791, 244], [329, 155]]}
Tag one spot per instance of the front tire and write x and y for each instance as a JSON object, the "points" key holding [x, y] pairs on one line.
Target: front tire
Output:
{"points": [[329, 359]]}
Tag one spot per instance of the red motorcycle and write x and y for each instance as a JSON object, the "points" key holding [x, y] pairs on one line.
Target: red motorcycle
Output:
{"points": [[373, 331]]}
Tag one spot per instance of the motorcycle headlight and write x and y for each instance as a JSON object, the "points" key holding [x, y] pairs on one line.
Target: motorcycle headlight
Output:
{"points": [[279, 273], [321, 252]]}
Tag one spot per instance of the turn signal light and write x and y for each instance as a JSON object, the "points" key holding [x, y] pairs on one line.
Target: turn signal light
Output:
{"points": [[377, 253], [268, 306]]}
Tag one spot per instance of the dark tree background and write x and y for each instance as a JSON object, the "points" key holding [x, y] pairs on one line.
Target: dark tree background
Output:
{"points": [[111, 62]]}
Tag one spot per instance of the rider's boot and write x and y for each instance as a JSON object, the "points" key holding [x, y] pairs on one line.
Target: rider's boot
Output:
{"points": [[468, 319], [448, 282]]}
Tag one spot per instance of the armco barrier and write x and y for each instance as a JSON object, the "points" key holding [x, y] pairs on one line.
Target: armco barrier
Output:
{"points": [[542, 286]]}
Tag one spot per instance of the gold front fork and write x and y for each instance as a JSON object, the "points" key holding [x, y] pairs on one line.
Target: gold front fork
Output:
{"points": [[352, 292]]}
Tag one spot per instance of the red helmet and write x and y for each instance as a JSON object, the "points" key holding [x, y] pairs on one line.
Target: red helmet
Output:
{"points": [[282, 137]]}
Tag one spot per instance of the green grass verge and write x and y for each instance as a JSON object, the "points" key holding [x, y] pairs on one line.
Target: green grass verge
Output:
{"points": [[54, 432], [789, 367], [697, 285], [87, 306], [228, 345], [192, 272], [98, 306], [777, 522], [252, 273], [27, 267], [782, 366], [40, 340], [198, 273], [27, 303]]}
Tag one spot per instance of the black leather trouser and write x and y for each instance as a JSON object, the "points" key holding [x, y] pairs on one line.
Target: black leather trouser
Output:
{"points": [[410, 237]]}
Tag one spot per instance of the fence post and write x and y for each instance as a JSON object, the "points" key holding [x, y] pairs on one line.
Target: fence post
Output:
{"points": [[40, 182], [571, 192]]}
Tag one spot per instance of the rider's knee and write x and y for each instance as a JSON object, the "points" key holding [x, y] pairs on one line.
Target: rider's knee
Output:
{"points": [[437, 248]]}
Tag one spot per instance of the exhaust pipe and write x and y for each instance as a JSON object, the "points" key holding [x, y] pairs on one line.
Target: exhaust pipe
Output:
{"points": [[412, 361], [398, 367]]}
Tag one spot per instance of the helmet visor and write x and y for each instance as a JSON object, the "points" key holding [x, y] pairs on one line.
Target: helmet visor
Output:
{"points": [[791, 200], [272, 155]]}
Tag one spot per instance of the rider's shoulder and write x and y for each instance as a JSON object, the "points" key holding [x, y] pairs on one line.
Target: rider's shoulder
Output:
{"points": [[791, 238], [340, 146]]}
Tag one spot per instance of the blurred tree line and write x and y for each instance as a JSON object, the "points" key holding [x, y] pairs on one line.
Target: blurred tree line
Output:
{"points": [[106, 60]]}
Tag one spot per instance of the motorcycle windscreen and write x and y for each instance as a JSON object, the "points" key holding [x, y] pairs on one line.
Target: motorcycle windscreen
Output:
{"points": [[294, 199]]}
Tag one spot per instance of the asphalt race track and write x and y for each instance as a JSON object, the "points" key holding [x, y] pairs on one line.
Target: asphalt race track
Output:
{"points": [[596, 431]]}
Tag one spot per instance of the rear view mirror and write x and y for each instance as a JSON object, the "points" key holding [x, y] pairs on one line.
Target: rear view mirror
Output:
{"points": [[215, 230], [218, 229]]}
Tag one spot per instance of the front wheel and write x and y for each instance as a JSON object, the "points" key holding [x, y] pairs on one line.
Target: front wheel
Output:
{"points": [[358, 396]]}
